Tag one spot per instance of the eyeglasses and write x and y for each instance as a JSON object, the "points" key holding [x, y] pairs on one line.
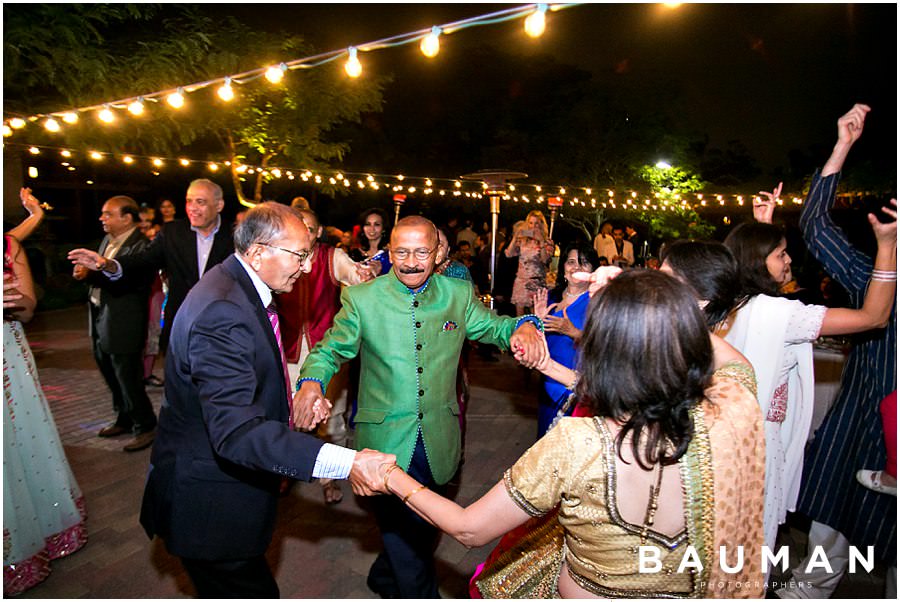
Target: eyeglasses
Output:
{"points": [[301, 256], [420, 254]]}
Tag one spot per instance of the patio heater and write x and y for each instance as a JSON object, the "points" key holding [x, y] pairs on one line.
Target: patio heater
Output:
{"points": [[494, 184], [399, 199], [554, 202]]}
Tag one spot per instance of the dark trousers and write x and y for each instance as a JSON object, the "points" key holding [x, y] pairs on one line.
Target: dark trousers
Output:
{"points": [[405, 569], [124, 375], [244, 578]]}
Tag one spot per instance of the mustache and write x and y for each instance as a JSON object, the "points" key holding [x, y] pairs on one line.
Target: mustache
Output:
{"points": [[412, 271]]}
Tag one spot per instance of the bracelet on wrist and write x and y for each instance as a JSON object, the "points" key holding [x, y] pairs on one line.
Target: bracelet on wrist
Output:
{"points": [[413, 492], [387, 474]]}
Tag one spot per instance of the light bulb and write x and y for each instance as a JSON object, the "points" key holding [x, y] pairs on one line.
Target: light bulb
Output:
{"points": [[106, 115], [70, 117], [127, 160], [225, 92], [536, 22], [184, 162], [175, 99], [32, 172], [7, 131], [353, 67], [275, 73], [95, 155], [17, 123], [137, 107], [431, 44], [65, 153], [157, 162], [34, 150], [213, 167], [52, 125]]}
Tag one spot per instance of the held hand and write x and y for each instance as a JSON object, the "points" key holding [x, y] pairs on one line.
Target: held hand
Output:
{"points": [[850, 125], [367, 271], [885, 233], [86, 258], [79, 272], [367, 475], [310, 405], [542, 362], [764, 209], [598, 278], [528, 346]]}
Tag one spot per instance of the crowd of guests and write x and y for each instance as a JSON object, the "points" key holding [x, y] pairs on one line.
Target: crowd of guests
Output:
{"points": [[674, 415]]}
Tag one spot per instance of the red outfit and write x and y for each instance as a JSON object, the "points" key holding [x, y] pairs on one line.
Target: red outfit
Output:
{"points": [[309, 309], [889, 420]]}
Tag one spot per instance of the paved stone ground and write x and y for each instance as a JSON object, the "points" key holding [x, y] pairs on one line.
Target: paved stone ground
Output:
{"points": [[319, 551]]}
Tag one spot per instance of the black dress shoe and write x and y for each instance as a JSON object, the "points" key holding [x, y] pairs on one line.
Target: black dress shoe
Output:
{"points": [[141, 441], [113, 430]]}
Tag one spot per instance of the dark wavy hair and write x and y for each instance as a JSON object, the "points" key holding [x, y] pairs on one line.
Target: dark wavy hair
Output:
{"points": [[750, 244], [641, 367], [586, 253], [710, 269], [361, 239]]}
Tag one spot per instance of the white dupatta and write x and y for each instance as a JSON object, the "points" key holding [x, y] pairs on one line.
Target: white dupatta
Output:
{"points": [[758, 331]]}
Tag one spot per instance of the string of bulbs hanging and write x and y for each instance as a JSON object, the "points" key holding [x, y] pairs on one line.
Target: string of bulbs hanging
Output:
{"points": [[429, 44]]}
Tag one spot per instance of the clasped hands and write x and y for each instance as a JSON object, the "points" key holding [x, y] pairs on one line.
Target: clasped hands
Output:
{"points": [[310, 407]]}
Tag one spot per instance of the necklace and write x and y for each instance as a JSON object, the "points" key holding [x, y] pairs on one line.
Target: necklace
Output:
{"points": [[652, 505], [568, 294]]}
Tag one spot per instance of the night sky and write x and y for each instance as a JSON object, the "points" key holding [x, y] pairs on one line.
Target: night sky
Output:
{"points": [[774, 76]]}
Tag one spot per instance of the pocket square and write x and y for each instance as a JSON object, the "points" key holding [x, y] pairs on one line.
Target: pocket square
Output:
{"points": [[450, 325]]}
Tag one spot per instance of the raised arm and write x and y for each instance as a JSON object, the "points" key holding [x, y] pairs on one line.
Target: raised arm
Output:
{"points": [[35, 215], [825, 240]]}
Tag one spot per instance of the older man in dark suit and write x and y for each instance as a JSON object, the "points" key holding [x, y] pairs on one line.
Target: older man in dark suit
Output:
{"points": [[225, 440], [119, 324], [184, 249]]}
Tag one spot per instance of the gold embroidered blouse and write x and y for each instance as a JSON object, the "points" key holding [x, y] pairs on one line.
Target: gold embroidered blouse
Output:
{"points": [[573, 466]]}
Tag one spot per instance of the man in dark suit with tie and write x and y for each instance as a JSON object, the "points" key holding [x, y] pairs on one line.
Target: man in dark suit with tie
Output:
{"points": [[225, 440], [184, 249], [119, 324]]}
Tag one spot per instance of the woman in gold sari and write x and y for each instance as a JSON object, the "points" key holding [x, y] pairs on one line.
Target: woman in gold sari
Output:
{"points": [[669, 468]]}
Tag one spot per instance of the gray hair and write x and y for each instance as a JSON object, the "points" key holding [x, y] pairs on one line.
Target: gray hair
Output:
{"points": [[216, 189], [264, 223]]}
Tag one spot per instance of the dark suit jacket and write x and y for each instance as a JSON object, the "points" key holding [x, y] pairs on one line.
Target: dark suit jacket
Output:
{"points": [[223, 441], [175, 250], [120, 321]]}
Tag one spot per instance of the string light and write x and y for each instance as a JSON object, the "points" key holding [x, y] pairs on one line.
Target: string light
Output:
{"points": [[226, 93], [51, 125], [65, 153], [176, 99], [106, 115], [136, 108], [96, 156], [17, 123], [353, 67], [127, 159], [275, 73], [7, 131], [32, 172], [431, 44], [157, 162], [184, 162], [34, 150], [536, 22], [70, 117]]}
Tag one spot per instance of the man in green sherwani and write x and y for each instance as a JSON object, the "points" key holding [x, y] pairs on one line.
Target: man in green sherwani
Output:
{"points": [[408, 327]]}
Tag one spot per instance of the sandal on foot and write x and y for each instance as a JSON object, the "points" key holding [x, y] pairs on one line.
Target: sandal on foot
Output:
{"points": [[871, 479]]}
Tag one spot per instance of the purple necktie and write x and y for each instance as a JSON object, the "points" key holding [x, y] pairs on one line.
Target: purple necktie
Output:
{"points": [[276, 327]]}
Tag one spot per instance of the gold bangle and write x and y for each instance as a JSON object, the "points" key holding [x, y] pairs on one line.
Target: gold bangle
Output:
{"points": [[413, 492], [387, 473]]}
